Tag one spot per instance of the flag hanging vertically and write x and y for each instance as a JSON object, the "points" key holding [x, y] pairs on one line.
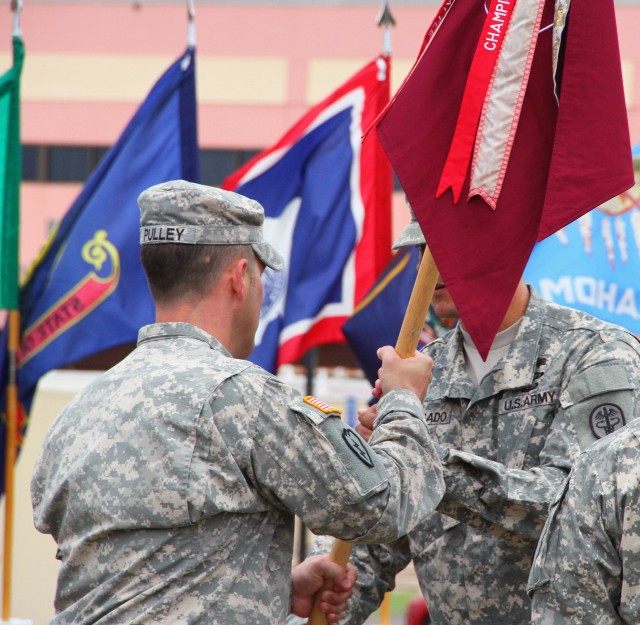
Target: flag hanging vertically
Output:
{"points": [[327, 201], [87, 292], [378, 317], [10, 176], [593, 264], [530, 137]]}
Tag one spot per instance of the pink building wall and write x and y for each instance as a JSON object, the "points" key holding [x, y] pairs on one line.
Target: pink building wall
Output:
{"points": [[276, 62]]}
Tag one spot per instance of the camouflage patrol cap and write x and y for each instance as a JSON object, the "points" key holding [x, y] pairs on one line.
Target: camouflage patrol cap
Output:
{"points": [[411, 234], [185, 212]]}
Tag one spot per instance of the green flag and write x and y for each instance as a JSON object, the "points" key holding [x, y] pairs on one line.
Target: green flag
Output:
{"points": [[10, 176]]}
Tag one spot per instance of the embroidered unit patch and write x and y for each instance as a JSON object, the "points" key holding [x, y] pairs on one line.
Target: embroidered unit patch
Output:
{"points": [[605, 419], [357, 446]]}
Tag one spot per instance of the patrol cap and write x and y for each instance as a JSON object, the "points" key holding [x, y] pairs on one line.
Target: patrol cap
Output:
{"points": [[411, 234], [185, 212]]}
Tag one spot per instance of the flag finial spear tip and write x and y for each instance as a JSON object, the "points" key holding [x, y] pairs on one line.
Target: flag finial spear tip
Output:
{"points": [[191, 35], [385, 18], [16, 8]]}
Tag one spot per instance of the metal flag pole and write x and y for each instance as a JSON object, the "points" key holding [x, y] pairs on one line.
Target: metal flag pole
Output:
{"points": [[386, 21], [11, 430], [191, 32], [16, 7], [406, 344]]}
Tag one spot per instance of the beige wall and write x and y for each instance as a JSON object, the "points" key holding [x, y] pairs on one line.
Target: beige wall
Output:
{"points": [[34, 564]]}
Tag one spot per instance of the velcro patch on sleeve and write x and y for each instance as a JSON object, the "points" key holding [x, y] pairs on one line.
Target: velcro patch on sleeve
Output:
{"points": [[359, 470]]}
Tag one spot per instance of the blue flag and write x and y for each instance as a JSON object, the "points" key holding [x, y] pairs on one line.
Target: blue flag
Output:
{"points": [[327, 201], [378, 318], [87, 292], [593, 264]]}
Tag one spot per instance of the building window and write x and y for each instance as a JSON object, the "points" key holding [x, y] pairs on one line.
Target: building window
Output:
{"points": [[216, 165], [33, 163], [57, 163], [53, 163]]}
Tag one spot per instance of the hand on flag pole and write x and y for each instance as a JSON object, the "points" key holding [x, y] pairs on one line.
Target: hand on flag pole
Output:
{"points": [[405, 347]]}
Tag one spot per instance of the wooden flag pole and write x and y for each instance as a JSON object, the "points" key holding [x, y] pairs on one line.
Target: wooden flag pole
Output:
{"points": [[412, 326], [11, 444]]}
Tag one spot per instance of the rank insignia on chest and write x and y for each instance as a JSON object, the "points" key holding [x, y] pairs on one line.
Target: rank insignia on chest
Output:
{"points": [[320, 405]]}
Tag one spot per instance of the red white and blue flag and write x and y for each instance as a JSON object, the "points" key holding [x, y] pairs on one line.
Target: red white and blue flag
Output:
{"points": [[327, 201]]}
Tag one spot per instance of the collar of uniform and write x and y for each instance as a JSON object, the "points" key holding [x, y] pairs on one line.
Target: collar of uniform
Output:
{"points": [[515, 370], [174, 330], [519, 364]]}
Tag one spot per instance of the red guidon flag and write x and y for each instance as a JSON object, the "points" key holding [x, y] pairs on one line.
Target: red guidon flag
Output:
{"points": [[511, 124]]}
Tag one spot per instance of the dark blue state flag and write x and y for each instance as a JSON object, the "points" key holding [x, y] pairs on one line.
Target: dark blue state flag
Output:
{"points": [[378, 318], [87, 291]]}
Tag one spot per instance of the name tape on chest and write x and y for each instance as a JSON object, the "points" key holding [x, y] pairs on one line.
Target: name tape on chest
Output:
{"points": [[528, 400], [437, 417], [320, 405]]}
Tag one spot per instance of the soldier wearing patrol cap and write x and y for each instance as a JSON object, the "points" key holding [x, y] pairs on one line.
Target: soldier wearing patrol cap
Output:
{"points": [[508, 431], [444, 310], [171, 482], [411, 235]]}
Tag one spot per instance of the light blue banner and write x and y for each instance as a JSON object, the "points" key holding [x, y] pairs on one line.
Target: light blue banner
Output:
{"points": [[594, 263]]}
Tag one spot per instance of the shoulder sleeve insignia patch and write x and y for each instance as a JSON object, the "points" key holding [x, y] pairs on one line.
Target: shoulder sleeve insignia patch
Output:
{"points": [[320, 405], [357, 445], [606, 419]]}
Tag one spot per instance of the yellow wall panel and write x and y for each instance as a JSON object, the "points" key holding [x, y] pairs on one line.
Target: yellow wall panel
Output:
{"points": [[90, 77], [220, 80], [242, 80], [126, 78], [326, 75]]}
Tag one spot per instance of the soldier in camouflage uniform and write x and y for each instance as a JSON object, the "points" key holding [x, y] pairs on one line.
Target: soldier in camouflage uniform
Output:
{"points": [[171, 482], [587, 567], [560, 380]]}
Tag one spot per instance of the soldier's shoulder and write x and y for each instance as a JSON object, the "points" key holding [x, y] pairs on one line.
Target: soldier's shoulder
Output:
{"points": [[251, 375], [259, 385], [567, 319]]}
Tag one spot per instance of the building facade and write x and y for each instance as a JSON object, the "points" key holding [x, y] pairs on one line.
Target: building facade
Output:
{"points": [[260, 66]]}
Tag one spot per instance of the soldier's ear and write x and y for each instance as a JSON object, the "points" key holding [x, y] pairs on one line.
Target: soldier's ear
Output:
{"points": [[239, 277]]}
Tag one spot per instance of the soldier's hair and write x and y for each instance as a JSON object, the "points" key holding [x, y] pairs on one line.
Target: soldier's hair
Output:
{"points": [[175, 271]]}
